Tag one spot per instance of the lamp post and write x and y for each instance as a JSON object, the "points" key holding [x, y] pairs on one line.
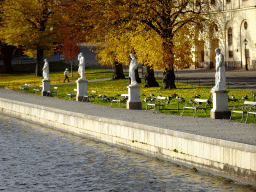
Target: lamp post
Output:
{"points": [[245, 43]]}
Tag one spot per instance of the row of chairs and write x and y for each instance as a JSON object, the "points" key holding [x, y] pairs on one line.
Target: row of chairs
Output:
{"points": [[49, 93], [248, 107], [197, 104], [39, 89], [85, 97]]}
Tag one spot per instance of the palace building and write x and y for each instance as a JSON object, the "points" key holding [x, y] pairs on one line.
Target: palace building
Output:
{"points": [[234, 33]]}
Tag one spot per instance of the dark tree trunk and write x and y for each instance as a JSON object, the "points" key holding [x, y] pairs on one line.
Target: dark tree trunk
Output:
{"points": [[39, 64], [150, 80], [137, 77], [169, 79], [118, 71], [7, 51]]}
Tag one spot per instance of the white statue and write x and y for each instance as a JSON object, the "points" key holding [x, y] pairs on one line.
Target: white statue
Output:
{"points": [[132, 67], [81, 67], [46, 70], [220, 77]]}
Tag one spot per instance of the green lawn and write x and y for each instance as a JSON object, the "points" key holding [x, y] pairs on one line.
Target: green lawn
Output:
{"points": [[24, 74], [187, 91]]}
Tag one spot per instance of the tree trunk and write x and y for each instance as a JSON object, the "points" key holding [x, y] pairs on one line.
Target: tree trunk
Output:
{"points": [[169, 79], [168, 58], [137, 77], [7, 51], [150, 80], [118, 71], [71, 68], [40, 57]]}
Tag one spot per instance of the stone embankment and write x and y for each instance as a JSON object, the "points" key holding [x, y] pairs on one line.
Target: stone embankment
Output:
{"points": [[216, 146]]}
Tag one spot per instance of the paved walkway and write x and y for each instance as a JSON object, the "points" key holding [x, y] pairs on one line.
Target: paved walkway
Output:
{"points": [[220, 129], [236, 79]]}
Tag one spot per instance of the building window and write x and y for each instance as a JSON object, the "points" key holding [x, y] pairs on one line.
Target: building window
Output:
{"points": [[230, 54], [245, 25], [213, 2], [228, 1], [216, 27], [202, 56], [229, 36]]}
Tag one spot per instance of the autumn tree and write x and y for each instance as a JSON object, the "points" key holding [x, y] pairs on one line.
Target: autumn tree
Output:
{"points": [[74, 25], [74, 18], [6, 50], [77, 24], [115, 50], [147, 45], [69, 50], [31, 24], [169, 19], [106, 56]]}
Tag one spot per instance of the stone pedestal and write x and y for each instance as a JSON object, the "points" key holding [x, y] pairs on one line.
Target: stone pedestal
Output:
{"points": [[81, 90], [46, 87], [220, 105], [133, 98]]}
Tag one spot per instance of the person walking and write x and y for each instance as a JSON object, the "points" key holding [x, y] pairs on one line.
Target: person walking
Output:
{"points": [[66, 72]]}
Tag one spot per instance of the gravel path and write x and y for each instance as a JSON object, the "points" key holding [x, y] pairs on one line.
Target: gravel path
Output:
{"points": [[220, 129]]}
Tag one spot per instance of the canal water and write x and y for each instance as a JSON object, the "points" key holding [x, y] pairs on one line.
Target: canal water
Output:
{"points": [[37, 158]]}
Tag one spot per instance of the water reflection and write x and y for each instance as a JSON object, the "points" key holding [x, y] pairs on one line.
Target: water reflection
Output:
{"points": [[35, 158]]}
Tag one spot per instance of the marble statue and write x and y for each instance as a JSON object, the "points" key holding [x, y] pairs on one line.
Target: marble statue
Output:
{"points": [[81, 67], [132, 67], [220, 77], [46, 70]]}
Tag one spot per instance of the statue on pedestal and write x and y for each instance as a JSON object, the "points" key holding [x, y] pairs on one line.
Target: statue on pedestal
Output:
{"points": [[46, 70], [132, 67], [81, 67], [220, 76]]}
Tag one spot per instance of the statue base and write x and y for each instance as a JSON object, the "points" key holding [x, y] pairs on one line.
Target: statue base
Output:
{"points": [[220, 105], [133, 97], [46, 87], [134, 105], [81, 90], [220, 114]]}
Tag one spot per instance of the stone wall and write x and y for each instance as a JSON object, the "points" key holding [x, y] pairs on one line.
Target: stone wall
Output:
{"points": [[214, 155]]}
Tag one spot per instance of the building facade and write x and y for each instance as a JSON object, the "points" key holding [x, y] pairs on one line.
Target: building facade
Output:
{"points": [[234, 33]]}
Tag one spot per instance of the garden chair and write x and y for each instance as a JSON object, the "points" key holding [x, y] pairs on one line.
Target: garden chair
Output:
{"points": [[248, 108], [53, 91], [159, 102], [197, 104], [71, 95], [122, 98], [91, 95]]}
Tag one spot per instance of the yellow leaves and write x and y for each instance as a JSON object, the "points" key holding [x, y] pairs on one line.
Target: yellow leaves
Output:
{"points": [[147, 45], [28, 23]]}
